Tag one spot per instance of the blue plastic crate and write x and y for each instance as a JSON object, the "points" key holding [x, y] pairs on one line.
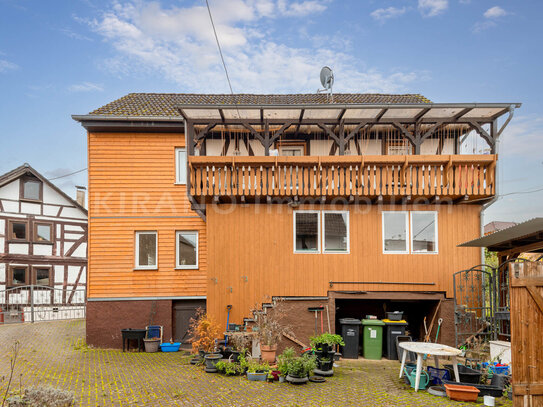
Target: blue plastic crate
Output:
{"points": [[170, 347], [438, 375], [500, 369]]}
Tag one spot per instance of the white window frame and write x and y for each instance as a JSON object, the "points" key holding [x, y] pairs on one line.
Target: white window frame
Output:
{"points": [[178, 179], [184, 266], [137, 247], [318, 233], [435, 231], [407, 236], [348, 250]]}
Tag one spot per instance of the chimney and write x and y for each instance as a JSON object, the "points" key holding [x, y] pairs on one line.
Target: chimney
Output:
{"points": [[80, 197]]}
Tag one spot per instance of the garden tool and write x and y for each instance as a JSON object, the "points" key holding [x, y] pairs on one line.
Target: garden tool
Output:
{"points": [[228, 307], [439, 322]]}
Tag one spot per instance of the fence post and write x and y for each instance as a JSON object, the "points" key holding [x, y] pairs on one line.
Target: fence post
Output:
{"points": [[32, 303]]}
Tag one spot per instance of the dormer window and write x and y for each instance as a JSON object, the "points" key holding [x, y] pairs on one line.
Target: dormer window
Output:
{"points": [[31, 189]]}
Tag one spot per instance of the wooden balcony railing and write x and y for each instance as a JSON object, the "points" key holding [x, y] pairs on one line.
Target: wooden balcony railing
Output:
{"points": [[468, 176]]}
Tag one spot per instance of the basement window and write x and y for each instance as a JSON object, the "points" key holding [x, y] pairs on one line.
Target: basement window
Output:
{"points": [[17, 276], [423, 232], [146, 250], [187, 250], [395, 232], [306, 232], [335, 231]]}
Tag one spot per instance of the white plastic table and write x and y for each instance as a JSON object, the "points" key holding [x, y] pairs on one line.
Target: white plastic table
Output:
{"points": [[426, 348]]}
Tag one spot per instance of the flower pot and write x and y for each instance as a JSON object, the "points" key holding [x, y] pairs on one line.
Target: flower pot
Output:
{"points": [[210, 361], [297, 380], [257, 376], [235, 356], [151, 345], [281, 379], [462, 393], [267, 353], [325, 365]]}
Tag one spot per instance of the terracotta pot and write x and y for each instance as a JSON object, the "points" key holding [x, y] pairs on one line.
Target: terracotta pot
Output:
{"points": [[268, 353]]}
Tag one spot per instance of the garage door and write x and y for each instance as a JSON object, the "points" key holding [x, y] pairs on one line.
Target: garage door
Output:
{"points": [[183, 311]]}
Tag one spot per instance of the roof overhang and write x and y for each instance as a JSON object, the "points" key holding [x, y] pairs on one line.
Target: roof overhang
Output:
{"points": [[102, 123], [518, 236]]}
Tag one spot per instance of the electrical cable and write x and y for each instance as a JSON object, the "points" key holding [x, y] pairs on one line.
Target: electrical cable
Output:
{"points": [[67, 175]]}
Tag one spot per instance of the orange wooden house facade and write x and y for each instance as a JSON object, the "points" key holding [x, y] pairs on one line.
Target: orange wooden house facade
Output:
{"points": [[357, 205]]}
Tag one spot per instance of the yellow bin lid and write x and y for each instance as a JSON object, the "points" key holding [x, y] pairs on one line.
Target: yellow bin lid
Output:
{"points": [[388, 321]]}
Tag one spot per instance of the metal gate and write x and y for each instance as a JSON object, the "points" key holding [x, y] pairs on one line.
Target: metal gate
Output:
{"points": [[474, 304], [31, 303]]}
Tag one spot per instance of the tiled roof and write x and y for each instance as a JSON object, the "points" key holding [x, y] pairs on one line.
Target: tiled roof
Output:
{"points": [[164, 104]]}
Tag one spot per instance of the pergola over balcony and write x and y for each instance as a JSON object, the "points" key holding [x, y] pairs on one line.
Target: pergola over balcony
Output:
{"points": [[416, 122], [325, 178]]}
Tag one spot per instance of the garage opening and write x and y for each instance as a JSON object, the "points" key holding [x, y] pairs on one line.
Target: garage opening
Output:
{"points": [[414, 312]]}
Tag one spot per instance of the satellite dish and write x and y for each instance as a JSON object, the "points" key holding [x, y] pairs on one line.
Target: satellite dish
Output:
{"points": [[327, 78]]}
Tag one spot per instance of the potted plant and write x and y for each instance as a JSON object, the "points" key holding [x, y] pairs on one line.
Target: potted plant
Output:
{"points": [[151, 344], [203, 333], [270, 331], [282, 362], [325, 364], [240, 344], [300, 368], [326, 342], [257, 371]]}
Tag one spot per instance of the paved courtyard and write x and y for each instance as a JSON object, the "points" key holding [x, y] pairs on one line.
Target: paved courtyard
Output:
{"points": [[55, 354]]}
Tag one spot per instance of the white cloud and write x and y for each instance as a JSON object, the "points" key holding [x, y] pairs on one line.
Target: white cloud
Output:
{"points": [[431, 8], [523, 137], [300, 8], [495, 12], [382, 14], [178, 44], [7, 66], [86, 87]]}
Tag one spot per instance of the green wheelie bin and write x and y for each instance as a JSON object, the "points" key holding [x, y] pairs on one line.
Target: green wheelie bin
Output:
{"points": [[373, 338]]}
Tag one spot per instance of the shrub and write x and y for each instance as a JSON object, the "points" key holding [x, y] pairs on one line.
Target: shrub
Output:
{"points": [[301, 366], [283, 360], [254, 367], [43, 396], [204, 330]]}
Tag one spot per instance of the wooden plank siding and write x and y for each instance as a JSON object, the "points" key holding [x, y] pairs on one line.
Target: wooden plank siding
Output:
{"points": [[253, 256], [132, 187]]}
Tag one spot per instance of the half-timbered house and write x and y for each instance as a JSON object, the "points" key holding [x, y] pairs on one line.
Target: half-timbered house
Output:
{"points": [[355, 204], [43, 249]]}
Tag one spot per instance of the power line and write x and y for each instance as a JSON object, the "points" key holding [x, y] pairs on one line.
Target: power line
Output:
{"points": [[522, 192], [67, 175], [219, 46]]}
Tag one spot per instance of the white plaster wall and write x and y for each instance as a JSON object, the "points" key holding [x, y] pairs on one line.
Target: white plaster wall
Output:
{"points": [[2, 226], [51, 196], [18, 248], [2, 244], [10, 191], [72, 228], [59, 274], [50, 210], [72, 235], [67, 246], [430, 146], [73, 213], [32, 208], [370, 147], [213, 147], [83, 278], [257, 147], [43, 249], [81, 251], [73, 271], [2, 272], [10, 206]]}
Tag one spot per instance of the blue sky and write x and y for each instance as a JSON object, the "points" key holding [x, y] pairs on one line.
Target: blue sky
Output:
{"points": [[69, 57]]}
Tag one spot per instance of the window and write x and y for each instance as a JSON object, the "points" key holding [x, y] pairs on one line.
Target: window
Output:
{"points": [[306, 232], [17, 230], [424, 232], [43, 232], [395, 232], [180, 166], [42, 276], [291, 148], [146, 250], [187, 250], [18, 275], [335, 232], [31, 189]]}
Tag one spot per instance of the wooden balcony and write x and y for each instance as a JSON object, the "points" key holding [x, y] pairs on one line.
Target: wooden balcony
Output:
{"points": [[458, 177]]}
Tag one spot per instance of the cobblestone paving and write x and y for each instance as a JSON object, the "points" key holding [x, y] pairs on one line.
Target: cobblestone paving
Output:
{"points": [[54, 353]]}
